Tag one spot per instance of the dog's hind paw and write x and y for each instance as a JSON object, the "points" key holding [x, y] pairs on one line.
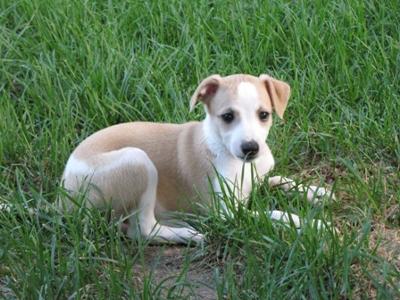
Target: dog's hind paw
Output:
{"points": [[177, 235], [198, 238]]}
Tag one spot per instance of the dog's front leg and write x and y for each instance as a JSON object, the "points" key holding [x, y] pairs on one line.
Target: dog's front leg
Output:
{"points": [[288, 218], [314, 193], [227, 211]]}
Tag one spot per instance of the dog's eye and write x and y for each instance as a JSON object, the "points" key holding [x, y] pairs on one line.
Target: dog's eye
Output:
{"points": [[228, 117], [263, 115]]}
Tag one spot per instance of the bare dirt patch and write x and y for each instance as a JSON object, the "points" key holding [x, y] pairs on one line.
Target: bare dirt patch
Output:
{"points": [[386, 241], [179, 268]]}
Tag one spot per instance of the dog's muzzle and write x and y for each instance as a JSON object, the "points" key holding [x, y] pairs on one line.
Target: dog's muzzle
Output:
{"points": [[250, 150]]}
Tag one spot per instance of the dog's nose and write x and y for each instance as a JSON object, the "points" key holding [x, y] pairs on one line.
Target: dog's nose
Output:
{"points": [[250, 149]]}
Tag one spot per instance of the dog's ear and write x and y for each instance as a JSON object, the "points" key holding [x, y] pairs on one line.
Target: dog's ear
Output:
{"points": [[206, 90], [278, 91]]}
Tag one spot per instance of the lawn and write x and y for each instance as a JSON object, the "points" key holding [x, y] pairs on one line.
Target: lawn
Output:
{"points": [[69, 68]]}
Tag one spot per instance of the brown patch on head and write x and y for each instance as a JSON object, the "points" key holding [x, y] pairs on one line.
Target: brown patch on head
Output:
{"points": [[233, 81], [228, 92], [272, 92]]}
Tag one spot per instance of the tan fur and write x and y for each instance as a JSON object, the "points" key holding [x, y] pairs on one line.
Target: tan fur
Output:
{"points": [[152, 167], [279, 93], [174, 149], [228, 90], [275, 92]]}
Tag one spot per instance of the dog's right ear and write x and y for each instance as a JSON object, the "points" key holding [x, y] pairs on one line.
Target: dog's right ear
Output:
{"points": [[278, 91], [206, 90]]}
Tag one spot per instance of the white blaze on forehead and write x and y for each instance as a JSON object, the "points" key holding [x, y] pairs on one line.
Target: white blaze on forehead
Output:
{"points": [[247, 93]]}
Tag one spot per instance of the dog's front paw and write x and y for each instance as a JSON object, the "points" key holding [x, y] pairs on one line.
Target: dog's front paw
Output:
{"points": [[316, 194], [323, 226], [320, 225]]}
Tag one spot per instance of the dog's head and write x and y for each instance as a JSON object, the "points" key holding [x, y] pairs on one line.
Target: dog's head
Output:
{"points": [[239, 110]]}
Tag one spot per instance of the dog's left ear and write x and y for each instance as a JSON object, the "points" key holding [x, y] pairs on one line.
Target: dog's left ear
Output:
{"points": [[206, 90], [278, 91]]}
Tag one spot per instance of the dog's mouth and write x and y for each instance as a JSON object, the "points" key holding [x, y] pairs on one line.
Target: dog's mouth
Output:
{"points": [[248, 157]]}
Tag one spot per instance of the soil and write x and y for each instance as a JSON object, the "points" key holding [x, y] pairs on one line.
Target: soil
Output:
{"points": [[169, 266]]}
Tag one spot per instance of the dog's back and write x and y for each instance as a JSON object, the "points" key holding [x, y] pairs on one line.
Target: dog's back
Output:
{"points": [[177, 152]]}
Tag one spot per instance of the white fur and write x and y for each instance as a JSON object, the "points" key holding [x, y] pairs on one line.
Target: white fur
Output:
{"points": [[314, 193], [142, 221], [146, 220], [248, 95], [226, 146], [130, 170], [247, 127], [76, 167]]}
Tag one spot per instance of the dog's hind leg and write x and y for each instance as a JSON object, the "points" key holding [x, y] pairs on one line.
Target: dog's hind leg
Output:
{"points": [[145, 217], [126, 181]]}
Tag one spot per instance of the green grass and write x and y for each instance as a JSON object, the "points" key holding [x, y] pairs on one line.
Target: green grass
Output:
{"points": [[69, 68]]}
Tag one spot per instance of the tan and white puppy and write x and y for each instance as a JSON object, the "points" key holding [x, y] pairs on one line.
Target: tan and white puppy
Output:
{"points": [[144, 169]]}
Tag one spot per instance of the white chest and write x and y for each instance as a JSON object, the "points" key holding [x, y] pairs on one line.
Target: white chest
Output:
{"points": [[239, 177]]}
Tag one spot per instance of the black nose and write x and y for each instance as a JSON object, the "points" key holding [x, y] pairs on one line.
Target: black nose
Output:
{"points": [[250, 149]]}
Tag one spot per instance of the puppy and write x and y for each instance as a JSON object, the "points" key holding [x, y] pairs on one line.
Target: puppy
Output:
{"points": [[143, 169]]}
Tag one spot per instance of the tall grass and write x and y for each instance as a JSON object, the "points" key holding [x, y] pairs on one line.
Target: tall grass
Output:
{"points": [[69, 68]]}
